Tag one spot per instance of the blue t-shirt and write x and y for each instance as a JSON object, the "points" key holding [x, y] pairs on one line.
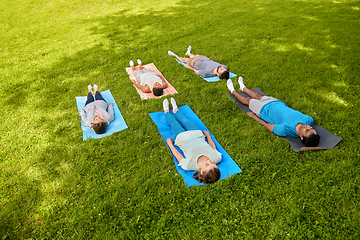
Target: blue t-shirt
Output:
{"points": [[206, 67], [284, 118]]}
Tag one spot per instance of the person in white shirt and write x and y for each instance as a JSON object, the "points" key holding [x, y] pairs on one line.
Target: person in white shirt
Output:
{"points": [[147, 80], [200, 155]]}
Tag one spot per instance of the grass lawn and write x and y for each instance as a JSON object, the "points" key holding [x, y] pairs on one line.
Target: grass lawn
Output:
{"points": [[53, 185]]}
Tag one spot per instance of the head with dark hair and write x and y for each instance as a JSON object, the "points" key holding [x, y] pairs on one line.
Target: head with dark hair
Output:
{"points": [[224, 75], [208, 172], [158, 91], [222, 72], [311, 140], [99, 125], [207, 176]]}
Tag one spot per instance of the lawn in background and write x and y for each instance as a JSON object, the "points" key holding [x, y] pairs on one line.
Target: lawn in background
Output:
{"points": [[53, 185]]}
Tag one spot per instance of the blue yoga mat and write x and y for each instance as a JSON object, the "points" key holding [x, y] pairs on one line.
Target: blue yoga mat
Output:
{"points": [[227, 166], [210, 79], [116, 125]]}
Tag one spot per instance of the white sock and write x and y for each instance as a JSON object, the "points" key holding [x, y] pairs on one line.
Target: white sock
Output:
{"points": [[188, 50], [95, 87], [131, 63], [171, 53], [166, 104], [139, 61], [173, 103], [89, 87], [230, 85], [241, 83]]}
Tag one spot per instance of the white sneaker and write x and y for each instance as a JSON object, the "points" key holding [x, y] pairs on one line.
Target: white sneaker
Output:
{"points": [[166, 105], [188, 50], [139, 62], [171, 53], [230, 85]]}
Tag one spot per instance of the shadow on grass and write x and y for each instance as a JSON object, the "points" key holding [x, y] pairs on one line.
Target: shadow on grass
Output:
{"points": [[265, 42]]}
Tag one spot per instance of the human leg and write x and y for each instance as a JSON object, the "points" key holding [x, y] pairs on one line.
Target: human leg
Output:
{"points": [[187, 124], [188, 51], [89, 98], [184, 121], [242, 99], [176, 127], [97, 93], [249, 92]]}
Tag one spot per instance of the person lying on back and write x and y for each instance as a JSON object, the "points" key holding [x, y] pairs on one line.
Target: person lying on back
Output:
{"points": [[276, 116], [147, 80], [202, 65]]}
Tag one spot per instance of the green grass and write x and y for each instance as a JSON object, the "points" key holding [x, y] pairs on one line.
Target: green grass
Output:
{"points": [[53, 185]]}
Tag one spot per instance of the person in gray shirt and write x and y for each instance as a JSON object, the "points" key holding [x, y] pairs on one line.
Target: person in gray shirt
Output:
{"points": [[99, 113], [202, 65]]}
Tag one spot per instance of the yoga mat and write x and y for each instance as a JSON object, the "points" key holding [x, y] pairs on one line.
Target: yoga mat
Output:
{"points": [[327, 139], [227, 166], [209, 79], [145, 96], [116, 125]]}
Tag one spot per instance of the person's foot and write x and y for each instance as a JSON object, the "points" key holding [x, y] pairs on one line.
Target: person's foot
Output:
{"points": [[139, 62], [89, 88], [173, 104], [166, 105], [171, 53], [230, 85], [95, 88], [131, 63], [188, 50], [240, 81]]}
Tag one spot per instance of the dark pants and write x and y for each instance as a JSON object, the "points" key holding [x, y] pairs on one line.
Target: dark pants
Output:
{"points": [[90, 97]]}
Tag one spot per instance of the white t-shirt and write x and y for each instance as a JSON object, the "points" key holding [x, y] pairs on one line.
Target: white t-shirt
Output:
{"points": [[194, 145], [150, 78]]}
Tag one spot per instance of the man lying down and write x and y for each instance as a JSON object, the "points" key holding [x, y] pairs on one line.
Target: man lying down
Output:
{"points": [[276, 116]]}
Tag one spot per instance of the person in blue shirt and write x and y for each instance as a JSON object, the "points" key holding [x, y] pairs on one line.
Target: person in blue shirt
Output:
{"points": [[202, 65], [276, 116]]}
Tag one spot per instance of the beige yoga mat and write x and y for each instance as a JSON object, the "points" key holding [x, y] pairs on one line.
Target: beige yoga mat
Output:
{"points": [[170, 90]]}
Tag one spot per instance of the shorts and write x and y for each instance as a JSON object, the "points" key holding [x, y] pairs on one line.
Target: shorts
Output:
{"points": [[190, 61], [255, 105]]}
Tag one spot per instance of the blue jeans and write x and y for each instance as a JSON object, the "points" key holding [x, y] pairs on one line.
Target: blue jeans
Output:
{"points": [[90, 97], [180, 123]]}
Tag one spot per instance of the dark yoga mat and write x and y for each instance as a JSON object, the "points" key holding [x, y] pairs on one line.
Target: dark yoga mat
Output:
{"points": [[327, 139]]}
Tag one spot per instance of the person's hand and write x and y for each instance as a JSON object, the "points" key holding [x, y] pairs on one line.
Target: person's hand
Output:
{"points": [[110, 104], [169, 141], [133, 81], [81, 111]]}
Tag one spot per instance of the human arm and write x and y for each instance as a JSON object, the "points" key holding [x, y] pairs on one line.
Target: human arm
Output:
{"points": [[268, 126], [164, 83], [111, 111], [144, 89], [210, 141], [84, 118], [194, 70], [173, 150]]}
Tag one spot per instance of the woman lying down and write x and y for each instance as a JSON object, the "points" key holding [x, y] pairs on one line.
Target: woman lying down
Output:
{"points": [[200, 155]]}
